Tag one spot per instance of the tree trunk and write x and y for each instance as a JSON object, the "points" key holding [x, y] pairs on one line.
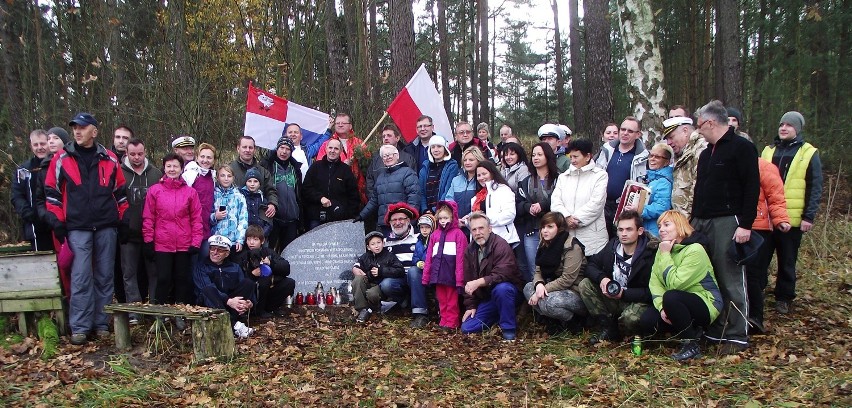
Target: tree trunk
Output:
{"points": [[578, 85], [11, 73], [374, 54], [729, 74], [336, 58], [402, 43], [444, 58], [483, 61], [644, 66], [599, 58]]}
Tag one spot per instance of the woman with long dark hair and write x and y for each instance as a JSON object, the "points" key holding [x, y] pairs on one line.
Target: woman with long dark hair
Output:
{"points": [[514, 164], [532, 200]]}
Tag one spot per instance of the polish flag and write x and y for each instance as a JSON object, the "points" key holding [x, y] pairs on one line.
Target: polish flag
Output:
{"points": [[419, 97], [267, 115]]}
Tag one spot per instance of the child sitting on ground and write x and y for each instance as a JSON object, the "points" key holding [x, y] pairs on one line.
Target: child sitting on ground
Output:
{"points": [[269, 271], [255, 202], [371, 271], [426, 223], [443, 266]]}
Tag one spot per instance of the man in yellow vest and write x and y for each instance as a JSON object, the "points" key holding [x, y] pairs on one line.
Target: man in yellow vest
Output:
{"points": [[801, 169]]}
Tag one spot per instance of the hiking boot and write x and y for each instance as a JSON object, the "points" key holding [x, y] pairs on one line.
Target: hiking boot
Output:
{"points": [[728, 348], [363, 315], [609, 331], [78, 339], [419, 321], [783, 307], [102, 334], [755, 327], [689, 351]]}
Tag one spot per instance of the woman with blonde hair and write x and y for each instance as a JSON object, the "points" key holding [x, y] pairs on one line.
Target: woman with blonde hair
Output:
{"points": [[684, 292]]}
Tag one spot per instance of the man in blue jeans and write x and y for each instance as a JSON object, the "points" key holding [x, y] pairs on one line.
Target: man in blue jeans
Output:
{"points": [[86, 200], [492, 289]]}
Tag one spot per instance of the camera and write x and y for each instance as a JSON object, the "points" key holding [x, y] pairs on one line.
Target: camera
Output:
{"points": [[613, 288]]}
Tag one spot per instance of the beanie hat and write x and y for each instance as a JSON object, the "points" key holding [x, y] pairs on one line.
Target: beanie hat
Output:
{"points": [[427, 219], [62, 133], [253, 173], [438, 140], [400, 207], [737, 114], [372, 235], [285, 141], [794, 119]]}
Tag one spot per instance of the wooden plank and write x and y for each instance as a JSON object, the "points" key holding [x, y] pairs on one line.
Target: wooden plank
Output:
{"points": [[189, 312], [28, 272], [31, 294], [30, 305]]}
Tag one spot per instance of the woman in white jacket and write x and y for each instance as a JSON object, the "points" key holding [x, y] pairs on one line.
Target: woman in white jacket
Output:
{"points": [[497, 200], [580, 195]]}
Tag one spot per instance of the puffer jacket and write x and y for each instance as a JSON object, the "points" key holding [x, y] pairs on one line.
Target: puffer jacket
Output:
{"points": [[660, 201], [515, 174], [389, 265], [444, 263], [172, 214], [582, 193], [687, 268], [397, 183], [500, 209], [771, 206], [225, 278], [137, 185], [235, 223], [462, 190]]}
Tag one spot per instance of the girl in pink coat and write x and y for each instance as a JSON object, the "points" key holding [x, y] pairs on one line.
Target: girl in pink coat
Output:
{"points": [[172, 231], [443, 265]]}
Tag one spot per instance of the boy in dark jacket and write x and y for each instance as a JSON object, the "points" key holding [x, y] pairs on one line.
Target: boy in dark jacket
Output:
{"points": [[372, 271], [268, 270], [255, 202]]}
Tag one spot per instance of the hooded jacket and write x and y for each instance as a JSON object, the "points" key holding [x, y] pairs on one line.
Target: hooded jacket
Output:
{"points": [[396, 183], [444, 258], [333, 180], [26, 185], [687, 268], [581, 193], [462, 191], [266, 183], [660, 201], [85, 198], [225, 278], [448, 172], [289, 198], [771, 207], [137, 185], [172, 213], [500, 209], [601, 266], [235, 223], [498, 265], [256, 214]]}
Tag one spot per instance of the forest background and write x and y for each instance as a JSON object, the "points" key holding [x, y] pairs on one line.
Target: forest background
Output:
{"points": [[182, 67]]}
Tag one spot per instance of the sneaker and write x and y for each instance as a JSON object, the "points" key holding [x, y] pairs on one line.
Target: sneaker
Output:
{"points": [[509, 335], [180, 323], [133, 319], [419, 321], [689, 351], [242, 331], [363, 315], [728, 348], [783, 307], [78, 339]]}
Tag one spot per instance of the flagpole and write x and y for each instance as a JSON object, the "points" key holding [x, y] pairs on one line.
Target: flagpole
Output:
{"points": [[364, 143]]}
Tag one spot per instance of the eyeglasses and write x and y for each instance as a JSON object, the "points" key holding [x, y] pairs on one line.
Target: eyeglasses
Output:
{"points": [[464, 132], [399, 219], [700, 125], [629, 130], [424, 126], [342, 123], [657, 156], [389, 155], [218, 249]]}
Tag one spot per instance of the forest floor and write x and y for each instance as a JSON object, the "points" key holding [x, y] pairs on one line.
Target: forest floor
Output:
{"points": [[324, 358]]}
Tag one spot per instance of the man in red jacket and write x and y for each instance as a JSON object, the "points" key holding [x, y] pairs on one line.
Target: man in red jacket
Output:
{"points": [[86, 201]]}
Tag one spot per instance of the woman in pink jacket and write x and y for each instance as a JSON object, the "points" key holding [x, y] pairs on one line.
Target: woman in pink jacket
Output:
{"points": [[172, 231]]}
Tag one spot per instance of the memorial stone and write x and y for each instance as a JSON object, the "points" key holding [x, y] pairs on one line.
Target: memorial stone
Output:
{"points": [[325, 254]]}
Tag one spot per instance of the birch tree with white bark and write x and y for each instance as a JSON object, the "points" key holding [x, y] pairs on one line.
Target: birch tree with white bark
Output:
{"points": [[644, 65]]}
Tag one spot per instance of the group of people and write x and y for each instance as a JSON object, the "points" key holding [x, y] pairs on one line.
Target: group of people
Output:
{"points": [[485, 227]]}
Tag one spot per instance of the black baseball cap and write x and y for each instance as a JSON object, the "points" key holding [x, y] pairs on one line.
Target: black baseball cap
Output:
{"points": [[83, 119]]}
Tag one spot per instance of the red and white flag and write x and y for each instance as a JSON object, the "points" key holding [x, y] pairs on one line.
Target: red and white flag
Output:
{"points": [[268, 114], [420, 97]]}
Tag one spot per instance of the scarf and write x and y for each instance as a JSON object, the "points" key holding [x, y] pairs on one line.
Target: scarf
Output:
{"points": [[479, 199], [549, 257]]}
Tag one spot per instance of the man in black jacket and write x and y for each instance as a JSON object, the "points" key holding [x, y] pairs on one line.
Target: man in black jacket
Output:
{"points": [[23, 198], [330, 191], [615, 290], [724, 207]]}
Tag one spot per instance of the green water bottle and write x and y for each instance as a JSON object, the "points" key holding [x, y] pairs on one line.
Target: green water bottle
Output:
{"points": [[637, 346]]}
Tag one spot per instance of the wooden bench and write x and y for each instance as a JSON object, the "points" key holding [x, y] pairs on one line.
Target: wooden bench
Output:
{"points": [[29, 282], [212, 335]]}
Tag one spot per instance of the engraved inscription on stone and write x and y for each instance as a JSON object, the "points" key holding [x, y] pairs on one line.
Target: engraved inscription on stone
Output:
{"points": [[326, 254]]}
